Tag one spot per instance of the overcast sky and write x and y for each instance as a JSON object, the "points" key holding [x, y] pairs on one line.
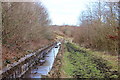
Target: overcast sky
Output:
{"points": [[65, 11]]}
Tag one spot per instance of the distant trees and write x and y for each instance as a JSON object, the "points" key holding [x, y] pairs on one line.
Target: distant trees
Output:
{"points": [[99, 26], [67, 30]]}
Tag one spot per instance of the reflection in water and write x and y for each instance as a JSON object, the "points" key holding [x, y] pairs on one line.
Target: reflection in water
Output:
{"points": [[38, 70]]}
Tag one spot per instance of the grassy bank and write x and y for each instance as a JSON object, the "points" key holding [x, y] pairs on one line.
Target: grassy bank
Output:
{"points": [[83, 63]]}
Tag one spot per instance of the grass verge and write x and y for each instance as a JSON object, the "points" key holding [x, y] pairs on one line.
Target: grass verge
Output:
{"points": [[82, 63]]}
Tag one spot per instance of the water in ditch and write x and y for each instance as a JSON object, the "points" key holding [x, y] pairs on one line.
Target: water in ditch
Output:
{"points": [[39, 70]]}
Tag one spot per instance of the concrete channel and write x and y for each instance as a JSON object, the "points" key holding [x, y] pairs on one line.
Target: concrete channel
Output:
{"points": [[40, 70]]}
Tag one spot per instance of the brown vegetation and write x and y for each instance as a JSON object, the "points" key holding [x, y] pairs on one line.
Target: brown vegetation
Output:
{"points": [[25, 28], [99, 28]]}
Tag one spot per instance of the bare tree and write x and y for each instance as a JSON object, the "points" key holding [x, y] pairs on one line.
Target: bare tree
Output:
{"points": [[25, 26], [100, 22]]}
